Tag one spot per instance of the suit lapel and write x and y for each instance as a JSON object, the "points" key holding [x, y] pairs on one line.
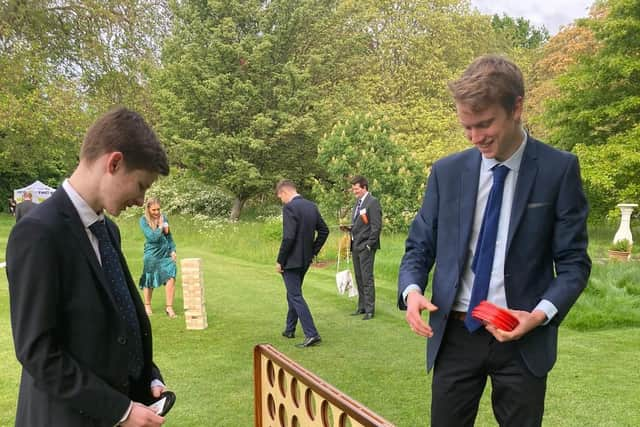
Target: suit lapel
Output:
{"points": [[79, 235], [526, 178], [467, 202]]}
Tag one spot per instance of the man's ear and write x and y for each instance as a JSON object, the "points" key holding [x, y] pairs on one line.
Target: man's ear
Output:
{"points": [[115, 161], [517, 108]]}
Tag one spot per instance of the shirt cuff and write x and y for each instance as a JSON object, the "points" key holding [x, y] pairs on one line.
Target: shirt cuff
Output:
{"points": [[157, 383], [411, 288], [126, 414], [548, 309]]}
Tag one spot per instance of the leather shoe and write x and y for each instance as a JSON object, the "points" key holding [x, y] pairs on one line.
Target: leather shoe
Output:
{"points": [[288, 334], [309, 341], [357, 313], [367, 316]]}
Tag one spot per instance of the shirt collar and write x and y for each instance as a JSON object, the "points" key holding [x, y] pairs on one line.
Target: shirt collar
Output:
{"points": [[87, 215], [513, 162]]}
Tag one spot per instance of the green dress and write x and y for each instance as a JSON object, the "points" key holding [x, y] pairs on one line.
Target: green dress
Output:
{"points": [[158, 265]]}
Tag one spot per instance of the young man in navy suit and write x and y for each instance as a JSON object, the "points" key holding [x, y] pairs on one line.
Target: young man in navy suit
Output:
{"points": [[79, 326], [533, 262], [303, 235]]}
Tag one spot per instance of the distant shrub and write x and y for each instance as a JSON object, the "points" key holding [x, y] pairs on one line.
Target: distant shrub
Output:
{"points": [[622, 245], [183, 194]]}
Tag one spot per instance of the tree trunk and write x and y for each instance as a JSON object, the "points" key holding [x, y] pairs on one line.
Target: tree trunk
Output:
{"points": [[238, 203]]}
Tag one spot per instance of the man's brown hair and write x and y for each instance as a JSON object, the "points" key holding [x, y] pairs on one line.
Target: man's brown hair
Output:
{"points": [[361, 181], [126, 131], [489, 80]]}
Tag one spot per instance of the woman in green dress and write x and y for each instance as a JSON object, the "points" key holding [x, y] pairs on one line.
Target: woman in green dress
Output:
{"points": [[159, 256]]}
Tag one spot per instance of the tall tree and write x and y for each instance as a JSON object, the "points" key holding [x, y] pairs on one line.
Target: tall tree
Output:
{"points": [[597, 112], [60, 61], [240, 90], [519, 32], [416, 47]]}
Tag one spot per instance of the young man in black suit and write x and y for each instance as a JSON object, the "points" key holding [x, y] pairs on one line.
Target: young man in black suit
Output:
{"points": [[79, 326], [303, 234]]}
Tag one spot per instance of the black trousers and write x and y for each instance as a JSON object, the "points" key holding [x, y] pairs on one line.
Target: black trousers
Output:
{"points": [[465, 361], [363, 267]]}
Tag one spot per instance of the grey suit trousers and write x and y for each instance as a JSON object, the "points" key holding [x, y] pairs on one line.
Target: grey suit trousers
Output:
{"points": [[363, 266]]}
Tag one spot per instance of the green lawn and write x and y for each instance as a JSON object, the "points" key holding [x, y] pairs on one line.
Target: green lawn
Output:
{"points": [[379, 363]]}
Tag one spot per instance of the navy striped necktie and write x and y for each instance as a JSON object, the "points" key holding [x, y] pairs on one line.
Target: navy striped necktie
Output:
{"points": [[357, 210], [482, 264], [115, 275]]}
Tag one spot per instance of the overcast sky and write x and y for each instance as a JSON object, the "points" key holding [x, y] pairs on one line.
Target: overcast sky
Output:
{"points": [[550, 13]]}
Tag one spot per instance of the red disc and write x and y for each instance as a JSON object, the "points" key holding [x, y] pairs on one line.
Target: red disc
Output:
{"points": [[499, 317]]}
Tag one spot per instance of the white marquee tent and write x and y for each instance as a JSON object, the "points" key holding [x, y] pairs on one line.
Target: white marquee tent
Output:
{"points": [[39, 191]]}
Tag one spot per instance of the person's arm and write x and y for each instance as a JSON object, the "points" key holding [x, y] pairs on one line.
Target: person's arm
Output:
{"points": [[150, 234], [168, 235], [375, 222], [420, 246], [571, 260], [33, 271], [289, 227], [322, 234]]}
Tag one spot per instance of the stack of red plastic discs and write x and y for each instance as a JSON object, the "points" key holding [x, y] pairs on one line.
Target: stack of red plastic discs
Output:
{"points": [[498, 317]]}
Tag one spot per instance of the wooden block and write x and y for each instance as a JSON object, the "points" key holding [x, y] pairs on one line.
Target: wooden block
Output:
{"points": [[196, 322]]}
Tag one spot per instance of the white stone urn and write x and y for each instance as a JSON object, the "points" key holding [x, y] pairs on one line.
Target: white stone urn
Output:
{"points": [[624, 231]]}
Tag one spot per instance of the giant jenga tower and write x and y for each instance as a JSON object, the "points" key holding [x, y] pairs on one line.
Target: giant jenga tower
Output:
{"points": [[193, 293]]}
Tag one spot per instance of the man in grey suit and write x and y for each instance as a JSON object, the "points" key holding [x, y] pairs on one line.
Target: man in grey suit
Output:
{"points": [[79, 326], [535, 264], [25, 206], [365, 241]]}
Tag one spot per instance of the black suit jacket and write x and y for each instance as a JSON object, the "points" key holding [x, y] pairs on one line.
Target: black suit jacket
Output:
{"points": [[367, 234], [546, 255], [68, 333], [303, 233]]}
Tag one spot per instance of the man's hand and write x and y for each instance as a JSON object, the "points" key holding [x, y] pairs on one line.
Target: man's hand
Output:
{"points": [[416, 304], [174, 256], [528, 322], [157, 390], [279, 268], [142, 416]]}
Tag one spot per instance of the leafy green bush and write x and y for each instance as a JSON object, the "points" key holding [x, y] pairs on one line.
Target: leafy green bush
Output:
{"points": [[182, 193], [362, 146]]}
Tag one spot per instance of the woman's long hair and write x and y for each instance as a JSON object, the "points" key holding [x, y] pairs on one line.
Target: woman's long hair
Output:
{"points": [[152, 201]]}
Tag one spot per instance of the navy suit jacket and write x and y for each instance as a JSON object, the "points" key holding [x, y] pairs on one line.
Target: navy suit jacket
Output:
{"points": [[303, 233], [546, 256], [68, 332]]}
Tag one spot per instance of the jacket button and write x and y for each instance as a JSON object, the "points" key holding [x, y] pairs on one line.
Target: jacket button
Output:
{"points": [[125, 385], [122, 340]]}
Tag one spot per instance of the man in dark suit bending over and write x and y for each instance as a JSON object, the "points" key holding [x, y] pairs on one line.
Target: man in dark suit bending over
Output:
{"points": [[504, 222], [79, 326], [303, 234]]}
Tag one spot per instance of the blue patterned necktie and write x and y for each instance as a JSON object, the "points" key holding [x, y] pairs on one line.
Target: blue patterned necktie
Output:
{"points": [[115, 276], [482, 264]]}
